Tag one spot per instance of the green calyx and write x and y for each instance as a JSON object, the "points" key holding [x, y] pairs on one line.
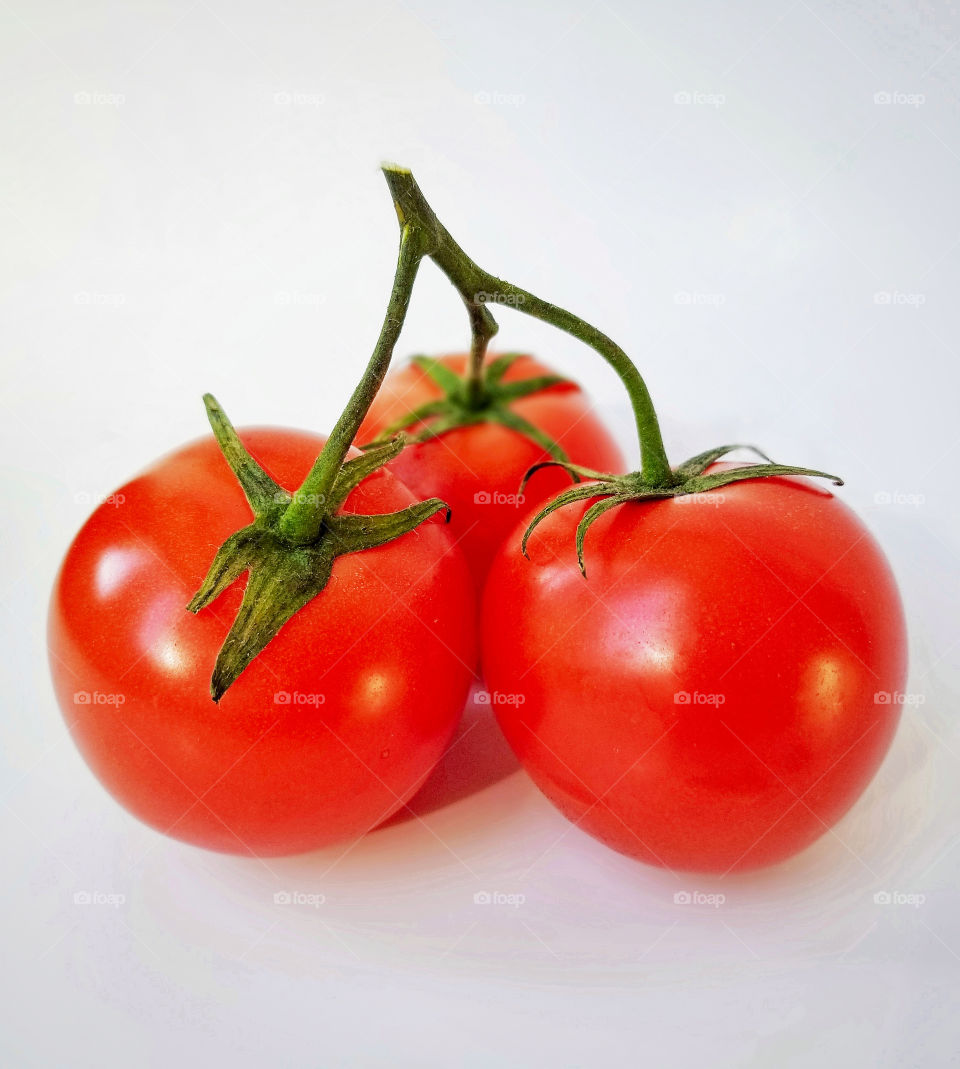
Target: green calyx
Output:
{"points": [[478, 397], [284, 575], [290, 548], [690, 477]]}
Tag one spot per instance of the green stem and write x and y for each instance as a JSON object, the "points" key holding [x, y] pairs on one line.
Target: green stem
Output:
{"points": [[303, 518], [482, 329], [655, 468], [412, 207], [477, 286]]}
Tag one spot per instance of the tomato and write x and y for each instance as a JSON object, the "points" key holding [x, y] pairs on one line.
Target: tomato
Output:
{"points": [[478, 469], [327, 732], [720, 688]]}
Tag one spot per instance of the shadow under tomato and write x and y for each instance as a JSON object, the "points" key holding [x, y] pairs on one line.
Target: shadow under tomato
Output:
{"points": [[478, 756]]}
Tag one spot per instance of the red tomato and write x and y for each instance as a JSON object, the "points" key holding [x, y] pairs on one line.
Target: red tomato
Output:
{"points": [[722, 686], [478, 469], [329, 731]]}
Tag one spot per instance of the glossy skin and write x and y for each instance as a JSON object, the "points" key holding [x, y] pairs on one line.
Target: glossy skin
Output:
{"points": [[774, 610], [477, 470], [389, 647]]}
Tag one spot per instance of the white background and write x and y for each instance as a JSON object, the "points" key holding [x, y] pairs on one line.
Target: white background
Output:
{"points": [[759, 201]]}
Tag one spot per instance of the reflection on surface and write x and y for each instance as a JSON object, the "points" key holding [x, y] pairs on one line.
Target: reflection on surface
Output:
{"points": [[477, 757]]}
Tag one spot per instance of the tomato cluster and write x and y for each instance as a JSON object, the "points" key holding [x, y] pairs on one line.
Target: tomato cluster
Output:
{"points": [[688, 660]]}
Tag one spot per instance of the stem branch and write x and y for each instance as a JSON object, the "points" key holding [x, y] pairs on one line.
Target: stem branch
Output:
{"points": [[477, 286]]}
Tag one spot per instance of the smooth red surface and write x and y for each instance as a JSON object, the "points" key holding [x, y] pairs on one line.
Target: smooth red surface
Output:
{"points": [[775, 600], [389, 645], [477, 470]]}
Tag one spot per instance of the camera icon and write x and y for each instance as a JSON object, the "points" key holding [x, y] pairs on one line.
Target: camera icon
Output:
{"points": [[482, 898], [882, 898], [882, 697], [81, 697], [682, 697], [481, 497], [82, 898], [682, 898], [281, 697], [282, 898], [482, 697]]}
